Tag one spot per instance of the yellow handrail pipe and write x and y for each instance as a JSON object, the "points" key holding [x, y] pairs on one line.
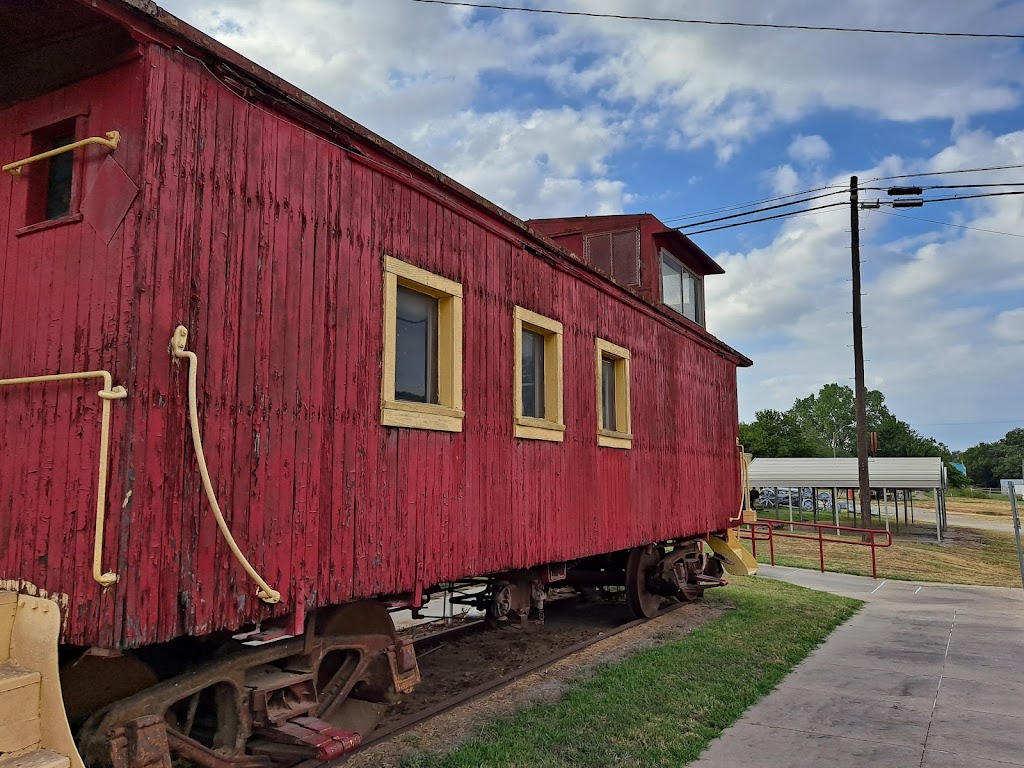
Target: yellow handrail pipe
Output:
{"points": [[265, 592], [112, 139], [106, 395]]}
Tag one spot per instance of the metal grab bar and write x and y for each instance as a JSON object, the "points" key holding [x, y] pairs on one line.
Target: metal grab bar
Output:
{"points": [[113, 138], [266, 593], [108, 393]]}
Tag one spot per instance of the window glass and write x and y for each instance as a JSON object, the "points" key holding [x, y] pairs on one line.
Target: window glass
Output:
{"points": [[533, 374], [680, 290], [608, 409], [671, 285], [416, 347], [58, 188]]}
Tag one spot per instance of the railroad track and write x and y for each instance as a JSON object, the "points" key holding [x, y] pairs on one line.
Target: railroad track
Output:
{"points": [[435, 639]]}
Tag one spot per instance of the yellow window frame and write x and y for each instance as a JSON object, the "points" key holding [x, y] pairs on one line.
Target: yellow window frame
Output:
{"points": [[609, 438], [552, 426], [447, 414]]}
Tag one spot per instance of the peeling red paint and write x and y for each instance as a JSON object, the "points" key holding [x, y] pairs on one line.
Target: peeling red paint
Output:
{"points": [[266, 241]]}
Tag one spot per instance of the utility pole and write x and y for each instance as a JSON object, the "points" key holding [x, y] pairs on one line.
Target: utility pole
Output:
{"points": [[858, 362]]}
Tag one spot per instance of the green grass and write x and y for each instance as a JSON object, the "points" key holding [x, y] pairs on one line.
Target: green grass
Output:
{"points": [[662, 706], [973, 493], [966, 556]]}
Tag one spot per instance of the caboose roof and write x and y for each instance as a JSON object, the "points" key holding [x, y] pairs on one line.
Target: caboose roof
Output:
{"points": [[47, 29], [665, 236]]}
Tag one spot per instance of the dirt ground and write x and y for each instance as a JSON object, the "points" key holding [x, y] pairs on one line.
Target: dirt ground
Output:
{"points": [[470, 661]]}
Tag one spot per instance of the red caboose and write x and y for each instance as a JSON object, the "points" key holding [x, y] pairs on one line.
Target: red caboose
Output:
{"points": [[392, 383]]}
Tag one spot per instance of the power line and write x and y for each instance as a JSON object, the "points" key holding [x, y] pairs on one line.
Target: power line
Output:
{"points": [[833, 205], [752, 203], [950, 224], [974, 186], [944, 173], [969, 423], [709, 22], [767, 218], [971, 197], [760, 210]]}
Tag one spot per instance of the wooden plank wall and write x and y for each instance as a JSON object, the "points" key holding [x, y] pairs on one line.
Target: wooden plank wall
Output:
{"points": [[64, 307], [267, 242]]}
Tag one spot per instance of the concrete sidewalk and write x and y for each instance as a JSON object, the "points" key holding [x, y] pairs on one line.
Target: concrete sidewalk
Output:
{"points": [[925, 676]]}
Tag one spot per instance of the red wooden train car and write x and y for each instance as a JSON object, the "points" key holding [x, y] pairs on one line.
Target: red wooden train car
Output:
{"points": [[396, 385]]}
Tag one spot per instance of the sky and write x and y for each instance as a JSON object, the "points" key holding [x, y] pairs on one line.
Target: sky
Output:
{"points": [[560, 116]]}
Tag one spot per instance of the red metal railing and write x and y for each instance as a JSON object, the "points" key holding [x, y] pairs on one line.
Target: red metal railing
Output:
{"points": [[765, 530]]}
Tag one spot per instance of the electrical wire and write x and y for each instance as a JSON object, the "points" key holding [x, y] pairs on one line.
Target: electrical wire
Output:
{"points": [[945, 173], [838, 189], [716, 23], [973, 186], [831, 205], [752, 203], [759, 210], [950, 224], [767, 218], [971, 197], [967, 423]]}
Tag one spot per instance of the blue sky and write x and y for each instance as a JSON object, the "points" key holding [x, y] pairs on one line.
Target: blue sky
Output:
{"points": [[552, 116]]}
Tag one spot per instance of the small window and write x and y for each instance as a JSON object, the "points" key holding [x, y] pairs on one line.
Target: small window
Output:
{"points": [[51, 181], [681, 290], [538, 377], [421, 385], [614, 427]]}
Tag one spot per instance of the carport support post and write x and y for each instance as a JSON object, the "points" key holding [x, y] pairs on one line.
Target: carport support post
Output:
{"points": [[858, 362], [938, 518], [835, 508]]}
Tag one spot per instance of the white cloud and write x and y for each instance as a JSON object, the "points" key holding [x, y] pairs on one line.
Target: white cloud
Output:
{"points": [[783, 180], [399, 65], [724, 86], [809, 149], [943, 313], [1009, 326], [546, 163]]}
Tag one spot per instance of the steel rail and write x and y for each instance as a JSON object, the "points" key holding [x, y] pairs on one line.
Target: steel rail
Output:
{"points": [[491, 686]]}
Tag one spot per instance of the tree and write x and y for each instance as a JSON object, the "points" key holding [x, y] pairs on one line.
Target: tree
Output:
{"points": [[988, 463], [774, 434], [897, 438], [823, 424], [829, 418]]}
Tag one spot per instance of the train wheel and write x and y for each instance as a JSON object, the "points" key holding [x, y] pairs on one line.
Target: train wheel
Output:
{"points": [[640, 600]]}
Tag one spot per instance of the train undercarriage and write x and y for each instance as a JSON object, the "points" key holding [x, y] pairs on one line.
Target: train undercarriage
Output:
{"points": [[261, 700]]}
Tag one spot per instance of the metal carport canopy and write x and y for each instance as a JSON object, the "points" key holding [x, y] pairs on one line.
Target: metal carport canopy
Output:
{"points": [[920, 473]]}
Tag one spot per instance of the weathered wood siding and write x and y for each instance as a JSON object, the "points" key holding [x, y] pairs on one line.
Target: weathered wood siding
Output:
{"points": [[65, 306], [267, 242]]}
